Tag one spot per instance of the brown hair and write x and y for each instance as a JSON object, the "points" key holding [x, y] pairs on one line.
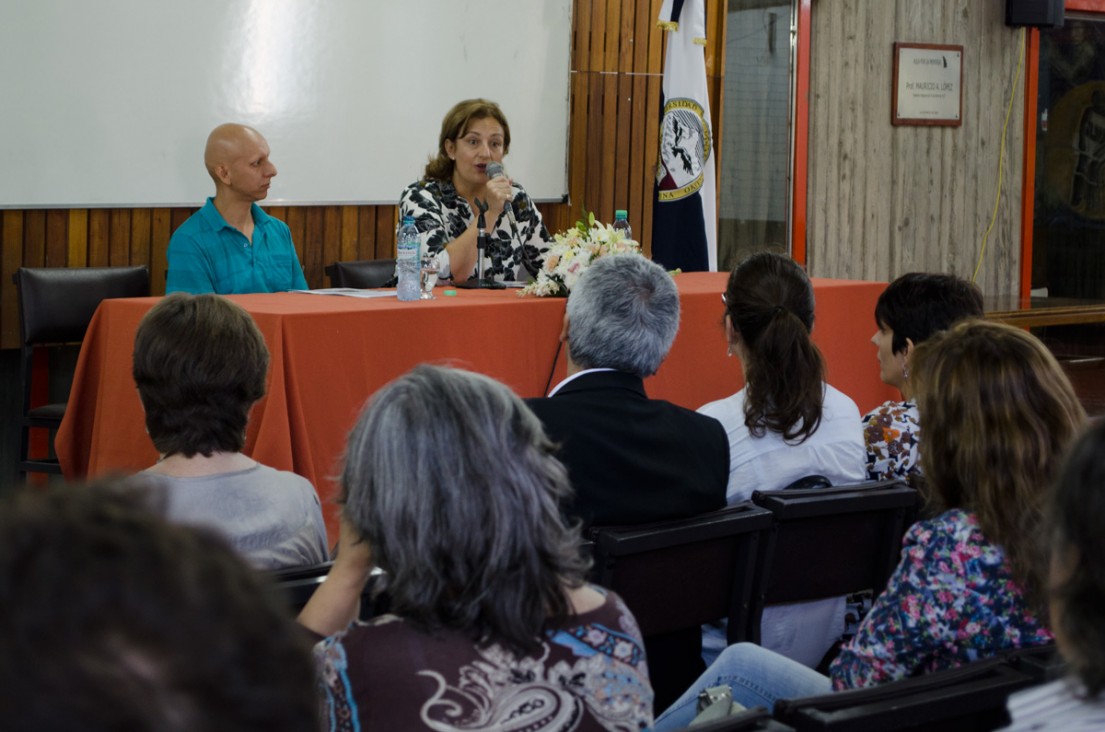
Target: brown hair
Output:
{"points": [[998, 414], [769, 301], [454, 127], [199, 363], [1077, 547]]}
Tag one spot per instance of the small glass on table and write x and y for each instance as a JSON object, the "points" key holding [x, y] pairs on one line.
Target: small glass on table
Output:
{"points": [[428, 272]]}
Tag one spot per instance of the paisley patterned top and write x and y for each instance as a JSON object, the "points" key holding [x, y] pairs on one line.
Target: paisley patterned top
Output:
{"points": [[441, 215], [952, 600], [590, 674], [893, 435]]}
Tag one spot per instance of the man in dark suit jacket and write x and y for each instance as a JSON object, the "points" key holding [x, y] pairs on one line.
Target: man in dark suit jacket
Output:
{"points": [[631, 459]]}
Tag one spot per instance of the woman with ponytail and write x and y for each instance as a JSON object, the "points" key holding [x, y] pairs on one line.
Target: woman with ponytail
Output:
{"points": [[785, 424]]}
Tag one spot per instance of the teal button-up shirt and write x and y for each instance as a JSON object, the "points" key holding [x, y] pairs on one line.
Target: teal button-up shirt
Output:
{"points": [[206, 254]]}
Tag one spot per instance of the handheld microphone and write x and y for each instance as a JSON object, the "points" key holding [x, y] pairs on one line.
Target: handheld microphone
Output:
{"points": [[494, 170]]}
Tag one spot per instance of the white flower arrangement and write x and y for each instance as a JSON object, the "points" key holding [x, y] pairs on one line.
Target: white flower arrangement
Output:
{"points": [[572, 252]]}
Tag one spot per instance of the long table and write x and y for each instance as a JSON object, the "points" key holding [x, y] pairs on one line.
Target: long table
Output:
{"points": [[329, 354]]}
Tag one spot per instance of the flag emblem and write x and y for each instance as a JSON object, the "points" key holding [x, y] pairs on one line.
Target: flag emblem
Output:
{"points": [[684, 149]]}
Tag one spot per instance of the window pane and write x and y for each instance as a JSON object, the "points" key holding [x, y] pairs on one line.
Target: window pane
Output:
{"points": [[756, 127], [1068, 249]]}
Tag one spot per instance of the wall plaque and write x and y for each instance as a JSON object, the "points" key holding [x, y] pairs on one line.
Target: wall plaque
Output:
{"points": [[928, 85]]}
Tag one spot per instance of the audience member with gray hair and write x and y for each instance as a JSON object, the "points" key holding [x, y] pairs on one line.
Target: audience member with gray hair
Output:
{"points": [[450, 487], [632, 459]]}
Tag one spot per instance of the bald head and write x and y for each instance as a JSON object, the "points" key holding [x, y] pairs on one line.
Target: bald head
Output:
{"points": [[237, 159], [226, 142]]}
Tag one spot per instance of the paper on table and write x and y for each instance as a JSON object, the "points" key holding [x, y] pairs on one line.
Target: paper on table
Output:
{"points": [[348, 292]]}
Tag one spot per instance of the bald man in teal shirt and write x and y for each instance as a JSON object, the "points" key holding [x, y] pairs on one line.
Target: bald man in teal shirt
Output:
{"points": [[230, 246]]}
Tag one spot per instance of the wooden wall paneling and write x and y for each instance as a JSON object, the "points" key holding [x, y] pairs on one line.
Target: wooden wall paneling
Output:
{"points": [[608, 117], [295, 217], [657, 44], [57, 238], [331, 242], [651, 154], [581, 34], [587, 195], [34, 237], [347, 249], [612, 37], [596, 42], [623, 155], [640, 177], [99, 224], [366, 232], [160, 231], [118, 236], [77, 238], [577, 144], [141, 240], [313, 239], [384, 236], [11, 259]]}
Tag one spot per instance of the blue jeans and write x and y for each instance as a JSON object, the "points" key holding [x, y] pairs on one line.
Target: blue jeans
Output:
{"points": [[757, 677]]}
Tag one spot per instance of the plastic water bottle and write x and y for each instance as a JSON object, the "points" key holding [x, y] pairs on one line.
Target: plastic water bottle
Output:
{"points": [[621, 223], [406, 260]]}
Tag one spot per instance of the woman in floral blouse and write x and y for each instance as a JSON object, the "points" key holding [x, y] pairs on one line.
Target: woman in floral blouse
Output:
{"points": [[909, 310], [999, 413], [443, 203]]}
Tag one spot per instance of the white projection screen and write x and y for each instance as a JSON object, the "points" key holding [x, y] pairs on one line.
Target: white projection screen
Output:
{"points": [[109, 102]]}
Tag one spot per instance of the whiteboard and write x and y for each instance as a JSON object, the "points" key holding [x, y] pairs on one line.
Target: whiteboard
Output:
{"points": [[109, 102]]}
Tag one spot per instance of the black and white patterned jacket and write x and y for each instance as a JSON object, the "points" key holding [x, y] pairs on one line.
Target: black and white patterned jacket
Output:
{"points": [[441, 215]]}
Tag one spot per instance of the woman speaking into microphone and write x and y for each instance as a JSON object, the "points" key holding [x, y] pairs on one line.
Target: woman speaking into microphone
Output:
{"points": [[466, 172]]}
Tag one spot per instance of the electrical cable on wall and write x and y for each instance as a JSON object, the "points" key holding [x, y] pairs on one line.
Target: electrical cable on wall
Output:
{"points": [[1001, 158]]}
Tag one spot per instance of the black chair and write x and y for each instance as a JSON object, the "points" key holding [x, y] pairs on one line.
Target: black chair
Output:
{"points": [[828, 542], [295, 585], [56, 305], [362, 274], [972, 698], [677, 575], [1042, 663]]}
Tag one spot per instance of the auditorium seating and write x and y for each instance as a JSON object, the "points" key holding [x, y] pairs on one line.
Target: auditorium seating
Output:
{"points": [[972, 697], [827, 542], [295, 585], [677, 575]]}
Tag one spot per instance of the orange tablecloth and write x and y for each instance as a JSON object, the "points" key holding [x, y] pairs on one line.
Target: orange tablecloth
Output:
{"points": [[330, 353]]}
